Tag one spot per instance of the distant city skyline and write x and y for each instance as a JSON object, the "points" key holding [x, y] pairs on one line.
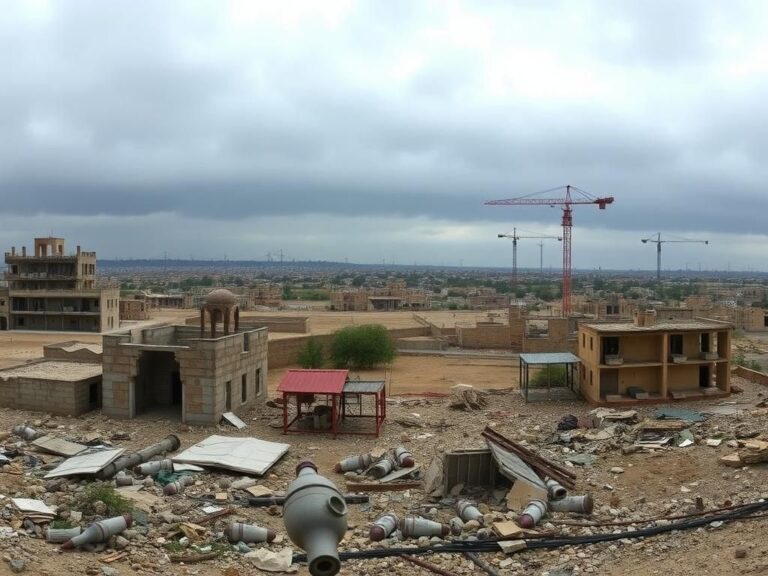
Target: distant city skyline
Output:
{"points": [[375, 131]]}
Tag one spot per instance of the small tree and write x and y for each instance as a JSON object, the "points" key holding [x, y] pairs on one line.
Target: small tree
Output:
{"points": [[362, 347], [311, 355]]}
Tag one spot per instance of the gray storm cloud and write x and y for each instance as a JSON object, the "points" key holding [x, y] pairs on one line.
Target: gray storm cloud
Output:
{"points": [[228, 111]]}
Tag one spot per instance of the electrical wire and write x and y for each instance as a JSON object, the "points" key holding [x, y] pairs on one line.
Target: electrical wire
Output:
{"points": [[745, 512]]}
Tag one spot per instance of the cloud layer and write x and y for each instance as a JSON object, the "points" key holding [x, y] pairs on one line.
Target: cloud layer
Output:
{"points": [[220, 115]]}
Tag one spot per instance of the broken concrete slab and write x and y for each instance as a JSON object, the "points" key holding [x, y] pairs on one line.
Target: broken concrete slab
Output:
{"points": [[85, 464], [58, 446], [247, 455], [233, 419]]}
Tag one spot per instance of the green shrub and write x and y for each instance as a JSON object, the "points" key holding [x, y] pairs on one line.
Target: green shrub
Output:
{"points": [[362, 347], [311, 355], [555, 374], [99, 492]]}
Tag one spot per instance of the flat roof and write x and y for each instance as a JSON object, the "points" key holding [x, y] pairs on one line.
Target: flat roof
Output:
{"points": [[363, 386], [53, 370], [549, 358], [314, 381], [666, 326]]}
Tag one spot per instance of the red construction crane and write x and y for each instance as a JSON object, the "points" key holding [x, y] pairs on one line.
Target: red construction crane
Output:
{"points": [[515, 237], [567, 202]]}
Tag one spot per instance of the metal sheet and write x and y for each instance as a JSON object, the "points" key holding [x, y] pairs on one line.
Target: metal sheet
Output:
{"points": [[247, 455], [511, 466], [59, 446], [85, 464], [313, 381], [363, 387], [232, 418], [549, 358]]}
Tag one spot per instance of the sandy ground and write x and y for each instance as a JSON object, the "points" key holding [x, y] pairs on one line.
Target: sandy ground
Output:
{"points": [[428, 374]]}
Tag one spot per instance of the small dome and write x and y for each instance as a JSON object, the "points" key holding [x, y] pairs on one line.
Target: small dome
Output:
{"points": [[221, 297]]}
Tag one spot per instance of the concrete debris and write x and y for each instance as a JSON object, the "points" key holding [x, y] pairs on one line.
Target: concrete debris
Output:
{"points": [[466, 397], [269, 561]]}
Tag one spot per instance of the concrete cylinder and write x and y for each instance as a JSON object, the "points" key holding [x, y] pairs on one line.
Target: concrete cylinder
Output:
{"points": [[315, 517], [360, 462], [468, 511], [167, 444], [153, 467], [532, 514], [415, 526], [27, 432], [555, 490], [383, 527], [577, 504], [100, 531], [457, 525], [239, 532], [382, 468], [123, 480], [59, 535], [404, 458], [177, 487]]}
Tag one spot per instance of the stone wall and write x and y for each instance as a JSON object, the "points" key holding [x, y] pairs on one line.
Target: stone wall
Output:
{"points": [[289, 324], [52, 396], [751, 375]]}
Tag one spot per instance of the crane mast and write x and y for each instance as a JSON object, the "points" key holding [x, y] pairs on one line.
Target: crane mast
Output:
{"points": [[567, 202]]}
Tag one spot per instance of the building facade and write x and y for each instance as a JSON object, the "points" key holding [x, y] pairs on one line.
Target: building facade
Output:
{"points": [[650, 360], [50, 290], [192, 372]]}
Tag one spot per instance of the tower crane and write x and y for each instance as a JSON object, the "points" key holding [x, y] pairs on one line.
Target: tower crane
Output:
{"points": [[515, 237], [656, 239], [567, 201]]}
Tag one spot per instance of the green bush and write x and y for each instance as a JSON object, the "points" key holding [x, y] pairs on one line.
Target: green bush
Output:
{"points": [[553, 373], [311, 355], [362, 347], [102, 492]]}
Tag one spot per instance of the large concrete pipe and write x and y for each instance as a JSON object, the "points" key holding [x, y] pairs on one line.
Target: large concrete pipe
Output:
{"points": [[315, 517], [533, 513], [577, 504], [555, 490], [239, 532], [383, 527], [352, 463], [167, 444], [415, 527], [100, 531]]}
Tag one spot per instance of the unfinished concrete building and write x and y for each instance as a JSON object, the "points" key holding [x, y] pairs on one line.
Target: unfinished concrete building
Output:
{"points": [[350, 300], [197, 373], [4, 308], [650, 360], [487, 299], [66, 381], [52, 290], [133, 310]]}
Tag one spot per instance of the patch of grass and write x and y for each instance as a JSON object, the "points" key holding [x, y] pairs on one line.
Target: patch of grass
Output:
{"points": [[98, 491], [60, 523]]}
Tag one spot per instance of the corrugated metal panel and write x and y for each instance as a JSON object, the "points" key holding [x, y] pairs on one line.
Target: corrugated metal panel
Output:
{"points": [[511, 466], [550, 358], [363, 386], [314, 381]]}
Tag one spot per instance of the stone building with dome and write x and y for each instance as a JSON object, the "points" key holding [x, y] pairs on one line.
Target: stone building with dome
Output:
{"points": [[195, 373]]}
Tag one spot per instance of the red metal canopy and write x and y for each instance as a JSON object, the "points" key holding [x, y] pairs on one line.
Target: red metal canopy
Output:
{"points": [[313, 381]]}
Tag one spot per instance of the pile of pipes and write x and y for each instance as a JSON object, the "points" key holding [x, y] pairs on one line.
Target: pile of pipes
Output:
{"points": [[377, 464]]}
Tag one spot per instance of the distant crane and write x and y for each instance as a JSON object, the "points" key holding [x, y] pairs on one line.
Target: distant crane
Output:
{"points": [[514, 237], [567, 202], [656, 239]]}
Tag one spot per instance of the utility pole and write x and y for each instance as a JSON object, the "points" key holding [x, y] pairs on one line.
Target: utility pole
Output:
{"points": [[541, 258]]}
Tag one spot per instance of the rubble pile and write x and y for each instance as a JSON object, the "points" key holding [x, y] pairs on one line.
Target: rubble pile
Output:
{"points": [[542, 472]]}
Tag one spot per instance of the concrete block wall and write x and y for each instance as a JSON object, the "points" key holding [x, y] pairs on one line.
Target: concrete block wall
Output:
{"points": [[485, 335], [52, 396], [119, 368]]}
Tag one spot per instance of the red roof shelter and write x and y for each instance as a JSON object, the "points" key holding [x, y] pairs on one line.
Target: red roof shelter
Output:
{"points": [[327, 401]]}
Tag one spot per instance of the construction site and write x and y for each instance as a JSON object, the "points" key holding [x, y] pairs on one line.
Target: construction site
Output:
{"points": [[598, 433]]}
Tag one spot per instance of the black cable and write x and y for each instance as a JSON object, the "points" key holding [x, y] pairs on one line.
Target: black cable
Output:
{"points": [[747, 511]]}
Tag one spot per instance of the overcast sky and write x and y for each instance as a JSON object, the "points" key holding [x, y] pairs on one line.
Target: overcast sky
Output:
{"points": [[376, 130]]}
